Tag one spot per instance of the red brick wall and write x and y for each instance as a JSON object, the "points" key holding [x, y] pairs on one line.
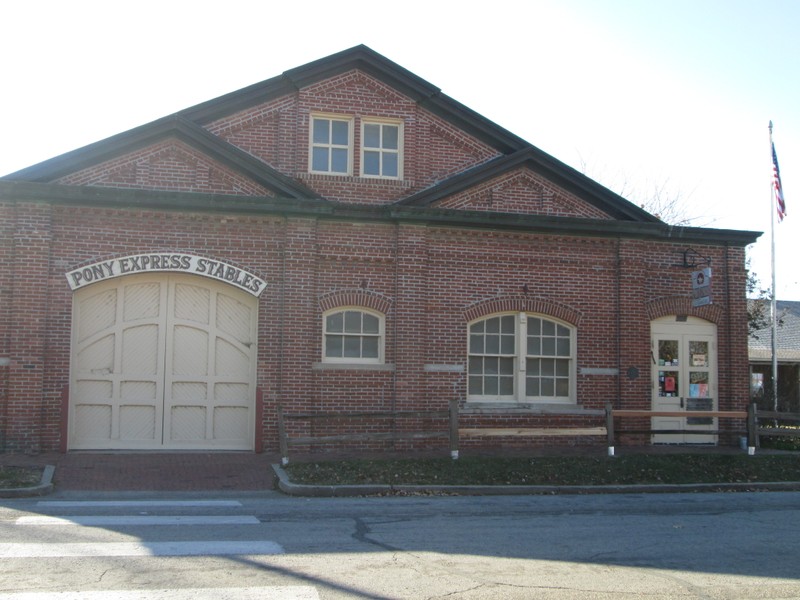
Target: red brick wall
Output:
{"points": [[523, 192], [7, 226], [168, 165], [26, 409], [430, 280]]}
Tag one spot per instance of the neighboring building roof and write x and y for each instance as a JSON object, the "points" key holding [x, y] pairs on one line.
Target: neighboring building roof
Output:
{"points": [[787, 335]]}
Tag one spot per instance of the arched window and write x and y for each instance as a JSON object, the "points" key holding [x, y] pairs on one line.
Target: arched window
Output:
{"points": [[521, 357], [353, 335]]}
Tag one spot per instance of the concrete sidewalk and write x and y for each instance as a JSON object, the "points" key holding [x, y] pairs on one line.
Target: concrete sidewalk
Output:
{"points": [[173, 472]]}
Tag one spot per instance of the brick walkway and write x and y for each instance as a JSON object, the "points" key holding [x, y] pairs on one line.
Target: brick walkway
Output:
{"points": [[155, 471]]}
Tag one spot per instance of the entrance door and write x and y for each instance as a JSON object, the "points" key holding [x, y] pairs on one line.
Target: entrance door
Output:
{"points": [[163, 362], [684, 380]]}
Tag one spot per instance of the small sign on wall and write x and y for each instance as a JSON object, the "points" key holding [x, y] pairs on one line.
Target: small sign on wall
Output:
{"points": [[701, 287]]}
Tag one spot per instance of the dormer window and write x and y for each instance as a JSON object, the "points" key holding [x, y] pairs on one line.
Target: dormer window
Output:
{"points": [[381, 144], [331, 145]]}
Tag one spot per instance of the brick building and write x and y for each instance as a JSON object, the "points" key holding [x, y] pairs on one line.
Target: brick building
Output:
{"points": [[345, 237]]}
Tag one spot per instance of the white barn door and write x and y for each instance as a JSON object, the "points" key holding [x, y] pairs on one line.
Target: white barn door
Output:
{"points": [[163, 362]]}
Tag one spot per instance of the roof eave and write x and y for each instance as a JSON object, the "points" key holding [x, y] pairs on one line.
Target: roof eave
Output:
{"points": [[163, 200], [174, 126], [552, 169], [86, 156], [367, 60]]}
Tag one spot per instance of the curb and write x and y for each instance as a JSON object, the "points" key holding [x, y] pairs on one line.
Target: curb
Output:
{"points": [[327, 491], [44, 487]]}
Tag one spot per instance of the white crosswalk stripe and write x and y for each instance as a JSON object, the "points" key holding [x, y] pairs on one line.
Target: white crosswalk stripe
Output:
{"points": [[121, 520], [138, 503], [291, 592], [96, 549], [114, 543]]}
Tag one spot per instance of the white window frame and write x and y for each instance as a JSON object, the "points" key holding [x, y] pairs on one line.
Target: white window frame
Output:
{"points": [[381, 150], [380, 335], [520, 358], [329, 145]]}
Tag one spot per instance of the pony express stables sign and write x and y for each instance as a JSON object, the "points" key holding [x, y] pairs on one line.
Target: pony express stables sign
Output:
{"points": [[166, 261]]}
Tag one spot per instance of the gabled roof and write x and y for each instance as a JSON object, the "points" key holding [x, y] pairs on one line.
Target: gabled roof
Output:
{"points": [[188, 126], [376, 65], [187, 123], [176, 127], [545, 165]]}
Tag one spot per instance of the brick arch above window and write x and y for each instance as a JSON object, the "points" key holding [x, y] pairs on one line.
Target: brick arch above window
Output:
{"points": [[527, 304], [355, 297], [682, 305]]}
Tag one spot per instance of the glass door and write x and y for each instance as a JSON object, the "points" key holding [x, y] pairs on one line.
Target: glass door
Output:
{"points": [[684, 381]]}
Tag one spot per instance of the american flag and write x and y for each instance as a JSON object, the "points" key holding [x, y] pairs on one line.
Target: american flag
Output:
{"points": [[776, 183]]}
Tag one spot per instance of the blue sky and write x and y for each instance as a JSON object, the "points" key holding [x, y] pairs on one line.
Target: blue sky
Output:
{"points": [[639, 95]]}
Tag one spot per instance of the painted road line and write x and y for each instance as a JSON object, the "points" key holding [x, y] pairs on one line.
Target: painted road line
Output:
{"points": [[137, 503], [124, 520], [101, 549], [273, 592]]}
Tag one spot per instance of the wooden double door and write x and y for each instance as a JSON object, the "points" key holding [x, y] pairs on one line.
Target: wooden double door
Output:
{"points": [[163, 361]]}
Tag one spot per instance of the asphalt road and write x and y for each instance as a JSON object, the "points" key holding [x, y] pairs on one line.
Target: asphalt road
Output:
{"points": [[265, 545]]}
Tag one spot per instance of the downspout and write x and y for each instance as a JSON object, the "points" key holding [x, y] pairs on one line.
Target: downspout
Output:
{"points": [[5, 376], [43, 409], [619, 323], [395, 328], [729, 324], [282, 317]]}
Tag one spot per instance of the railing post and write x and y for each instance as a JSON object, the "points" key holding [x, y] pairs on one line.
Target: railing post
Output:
{"points": [[282, 441], [752, 428], [454, 428], [610, 428]]}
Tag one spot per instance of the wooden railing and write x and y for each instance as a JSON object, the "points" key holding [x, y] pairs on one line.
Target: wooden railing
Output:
{"points": [[285, 441], [614, 413], [776, 427], [755, 421], [454, 433]]}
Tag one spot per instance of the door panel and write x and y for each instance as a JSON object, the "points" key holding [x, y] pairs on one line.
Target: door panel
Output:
{"points": [[117, 366], [163, 362], [205, 362], [669, 355]]}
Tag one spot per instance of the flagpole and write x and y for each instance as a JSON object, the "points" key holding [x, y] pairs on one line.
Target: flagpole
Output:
{"points": [[774, 301]]}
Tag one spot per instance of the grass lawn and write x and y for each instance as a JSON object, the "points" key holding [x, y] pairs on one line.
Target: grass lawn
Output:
{"points": [[19, 477], [554, 470]]}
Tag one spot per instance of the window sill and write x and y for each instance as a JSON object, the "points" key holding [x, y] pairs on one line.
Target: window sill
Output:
{"points": [[344, 366], [480, 408], [387, 181]]}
